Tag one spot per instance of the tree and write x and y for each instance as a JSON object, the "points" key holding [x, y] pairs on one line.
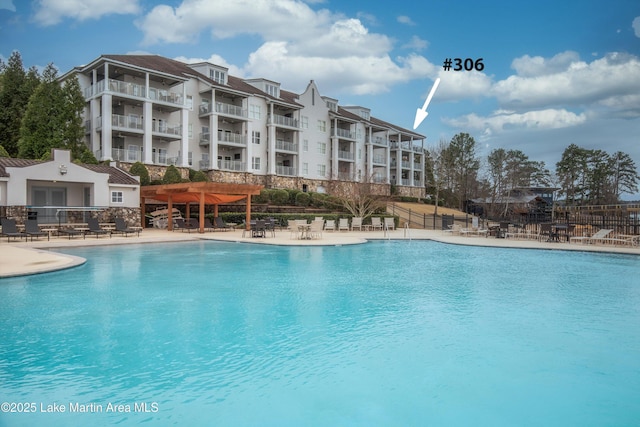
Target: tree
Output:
{"points": [[624, 174], [16, 87], [571, 171], [437, 173], [362, 202], [139, 169], [465, 164], [172, 175]]}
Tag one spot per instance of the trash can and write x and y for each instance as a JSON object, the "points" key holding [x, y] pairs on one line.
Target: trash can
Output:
{"points": [[32, 215]]}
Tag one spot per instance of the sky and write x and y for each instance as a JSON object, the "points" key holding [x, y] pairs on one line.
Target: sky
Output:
{"points": [[550, 73]]}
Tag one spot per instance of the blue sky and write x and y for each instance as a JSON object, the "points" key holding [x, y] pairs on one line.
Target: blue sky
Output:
{"points": [[555, 73]]}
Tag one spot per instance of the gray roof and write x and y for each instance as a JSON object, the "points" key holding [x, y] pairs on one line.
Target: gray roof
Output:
{"points": [[116, 176]]}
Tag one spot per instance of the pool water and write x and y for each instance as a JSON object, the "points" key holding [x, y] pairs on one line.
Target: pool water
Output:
{"points": [[385, 333]]}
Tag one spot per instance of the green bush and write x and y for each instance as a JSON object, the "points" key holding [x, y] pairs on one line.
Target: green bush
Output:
{"points": [[262, 198], [318, 200], [280, 197], [88, 158], [139, 169], [293, 194], [303, 199], [172, 176], [3, 152], [199, 176]]}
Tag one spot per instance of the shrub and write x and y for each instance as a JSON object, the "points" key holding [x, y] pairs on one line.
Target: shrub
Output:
{"points": [[262, 198], [3, 152], [199, 176], [172, 176], [293, 195], [318, 200], [88, 158], [303, 199], [280, 197], [138, 169]]}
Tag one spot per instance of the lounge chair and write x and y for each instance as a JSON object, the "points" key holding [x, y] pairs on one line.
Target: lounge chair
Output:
{"points": [[181, 224], [389, 224], [330, 224], [31, 229], [122, 228], [343, 224], [218, 222], [601, 234], [315, 229], [69, 231], [376, 223], [356, 222], [473, 232], [10, 229], [453, 229], [94, 228]]}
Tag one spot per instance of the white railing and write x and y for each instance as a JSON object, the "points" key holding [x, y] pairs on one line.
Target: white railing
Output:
{"points": [[230, 110], [283, 121], [126, 122], [205, 138], [234, 138], [132, 89], [286, 170], [381, 160], [343, 133], [205, 108], [379, 179], [286, 145], [126, 155], [167, 129], [417, 166], [345, 176], [345, 155], [405, 165], [231, 165], [378, 140]]}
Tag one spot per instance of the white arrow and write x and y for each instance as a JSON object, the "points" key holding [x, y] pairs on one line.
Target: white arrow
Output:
{"points": [[421, 113]]}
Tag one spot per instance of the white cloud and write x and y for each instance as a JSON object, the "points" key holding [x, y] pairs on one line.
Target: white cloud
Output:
{"points": [[455, 86], [416, 43], [7, 5], [51, 12], [405, 20], [505, 120], [298, 43], [636, 26], [565, 80]]}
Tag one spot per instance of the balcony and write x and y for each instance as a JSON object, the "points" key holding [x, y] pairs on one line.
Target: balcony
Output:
{"points": [[346, 155], [379, 160], [378, 140], [134, 90], [129, 156], [229, 138], [120, 122], [286, 146], [230, 110], [166, 129], [87, 126], [286, 170], [205, 139], [283, 121], [342, 133], [231, 165], [379, 179], [417, 166], [345, 176]]}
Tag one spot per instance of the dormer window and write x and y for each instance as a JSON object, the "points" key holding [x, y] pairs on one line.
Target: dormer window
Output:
{"points": [[332, 106], [218, 76], [365, 114], [272, 90]]}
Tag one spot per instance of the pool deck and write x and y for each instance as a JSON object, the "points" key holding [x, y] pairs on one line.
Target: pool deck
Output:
{"points": [[19, 258]]}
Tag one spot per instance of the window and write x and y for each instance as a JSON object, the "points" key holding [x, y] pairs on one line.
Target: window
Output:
{"points": [[305, 169], [272, 90], [322, 148], [189, 102], [305, 145], [304, 122], [190, 130], [255, 112], [217, 76], [322, 170], [116, 197], [322, 125], [255, 163], [332, 106], [255, 137]]}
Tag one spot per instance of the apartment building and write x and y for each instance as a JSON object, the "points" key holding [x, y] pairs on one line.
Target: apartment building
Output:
{"points": [[162, 112]]}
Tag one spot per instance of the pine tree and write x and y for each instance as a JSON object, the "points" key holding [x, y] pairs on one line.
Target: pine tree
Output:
{"points": [[16, 87]]}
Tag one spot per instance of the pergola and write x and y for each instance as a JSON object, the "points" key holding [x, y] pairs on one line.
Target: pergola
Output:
{"points": [[203, 193]]}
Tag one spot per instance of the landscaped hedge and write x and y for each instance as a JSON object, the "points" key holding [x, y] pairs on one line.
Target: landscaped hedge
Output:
{"points": [[282, 219]]}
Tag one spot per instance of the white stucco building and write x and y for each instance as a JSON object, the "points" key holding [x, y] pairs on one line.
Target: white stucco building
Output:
{"points": [[58, 189], [160, 111]]}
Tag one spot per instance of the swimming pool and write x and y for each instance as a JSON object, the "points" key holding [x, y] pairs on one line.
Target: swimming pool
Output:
{"points": [[385, 333]]}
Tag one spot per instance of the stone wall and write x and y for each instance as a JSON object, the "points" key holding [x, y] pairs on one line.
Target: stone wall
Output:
{"points": [[130, 215], [418, 192]]}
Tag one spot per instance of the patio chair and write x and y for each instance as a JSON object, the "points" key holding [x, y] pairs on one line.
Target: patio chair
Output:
{"points": [[330, 224], [601, 234], [123, 228], [389, 224], [94, 228], [343, 224], [259, 230], [10, 229], [69, 231], [356, 222], [219, 223], [181, 224], [315, 229], [31, 229], [453, 229], [376, 223]]}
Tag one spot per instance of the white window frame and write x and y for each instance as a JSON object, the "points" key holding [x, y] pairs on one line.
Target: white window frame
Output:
{"points": [[117, 197], [322, 148], [255, 111], [304, 122], [255, 163], [322, 125], [322, 170], [305, 145], [255, 137], [305, 169]]}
